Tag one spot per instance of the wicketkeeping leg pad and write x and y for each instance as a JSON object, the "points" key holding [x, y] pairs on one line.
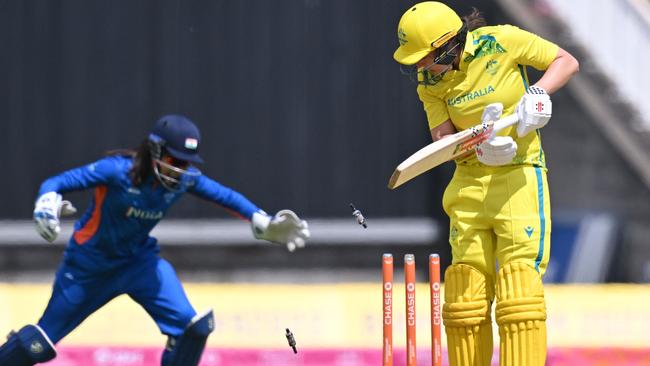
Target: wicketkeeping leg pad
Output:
{"points": [[28, 346], [186, 350], [521, 315], [466, 315]]}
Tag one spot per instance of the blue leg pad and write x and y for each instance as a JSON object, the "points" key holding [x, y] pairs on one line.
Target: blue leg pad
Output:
{"points": [[30, 345], [186, 350]]}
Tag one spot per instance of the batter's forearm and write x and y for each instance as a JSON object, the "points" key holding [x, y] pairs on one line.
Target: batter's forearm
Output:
{"points": [[559, 72], [445, 129]]}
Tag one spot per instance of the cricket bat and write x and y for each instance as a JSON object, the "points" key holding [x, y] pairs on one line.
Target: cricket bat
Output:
{"points": [[447, 149]]}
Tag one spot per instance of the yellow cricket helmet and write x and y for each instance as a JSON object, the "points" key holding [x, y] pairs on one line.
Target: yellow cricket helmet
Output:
{"points": [[423, 28]]}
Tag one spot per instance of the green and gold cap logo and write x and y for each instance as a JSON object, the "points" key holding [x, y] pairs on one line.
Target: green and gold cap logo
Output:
{"points": [[401, 37]]}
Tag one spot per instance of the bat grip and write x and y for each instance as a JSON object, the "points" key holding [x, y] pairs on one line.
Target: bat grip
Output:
{"points": [[505, 122]]}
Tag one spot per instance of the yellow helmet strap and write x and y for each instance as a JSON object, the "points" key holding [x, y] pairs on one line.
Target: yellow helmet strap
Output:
{"points": [[427, 77]]}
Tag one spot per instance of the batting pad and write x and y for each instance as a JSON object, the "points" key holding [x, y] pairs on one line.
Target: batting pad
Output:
{"points": [[466, 315], [521, 315]]}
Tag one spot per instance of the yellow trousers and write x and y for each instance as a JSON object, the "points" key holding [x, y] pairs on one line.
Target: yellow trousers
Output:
{"points": [[499, 215]]}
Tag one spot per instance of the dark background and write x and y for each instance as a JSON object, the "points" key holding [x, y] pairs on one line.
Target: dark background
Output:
{"points": [[300, 103]]}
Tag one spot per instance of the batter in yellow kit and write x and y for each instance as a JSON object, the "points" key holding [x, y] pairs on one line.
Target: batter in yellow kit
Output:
{"points": [[498, 199]]}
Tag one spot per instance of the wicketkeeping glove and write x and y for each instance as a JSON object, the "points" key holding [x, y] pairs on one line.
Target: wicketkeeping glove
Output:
{"points": [[283, 228], [498, 150], [534, 110], [49, 207]]}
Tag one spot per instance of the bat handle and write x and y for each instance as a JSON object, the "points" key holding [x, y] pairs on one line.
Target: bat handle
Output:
{"points": [[505, 122]]}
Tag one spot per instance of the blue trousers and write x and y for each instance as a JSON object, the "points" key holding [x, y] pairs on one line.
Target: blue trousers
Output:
{"points": [[150, 281]]}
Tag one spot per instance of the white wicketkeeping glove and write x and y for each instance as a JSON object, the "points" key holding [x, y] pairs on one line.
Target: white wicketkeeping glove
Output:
{"points": [[283, 228], [498, 150], [534, 110], [49, 207]]}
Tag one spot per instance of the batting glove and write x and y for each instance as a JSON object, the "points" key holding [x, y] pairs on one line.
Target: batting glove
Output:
{"points": [[498, 150], [534, 110], [283, 228], [49, 207]]}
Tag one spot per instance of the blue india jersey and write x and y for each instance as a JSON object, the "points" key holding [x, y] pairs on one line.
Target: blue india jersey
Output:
{"points": [[115, 228]]}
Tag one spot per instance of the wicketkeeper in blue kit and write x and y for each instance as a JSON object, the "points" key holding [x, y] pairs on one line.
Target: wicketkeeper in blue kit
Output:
{"points": [[111, 253]]}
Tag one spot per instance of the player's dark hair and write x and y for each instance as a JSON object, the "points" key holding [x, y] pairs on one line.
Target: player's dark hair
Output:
{"points": [[141, 168], [474, 20]]}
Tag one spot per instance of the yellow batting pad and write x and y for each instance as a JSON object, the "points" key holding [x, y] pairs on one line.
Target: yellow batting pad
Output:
{"points": [[521, 315], [466, 316]]}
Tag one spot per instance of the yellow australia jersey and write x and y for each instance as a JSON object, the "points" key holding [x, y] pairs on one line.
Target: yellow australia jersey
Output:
{"points": [[492, 69]]}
